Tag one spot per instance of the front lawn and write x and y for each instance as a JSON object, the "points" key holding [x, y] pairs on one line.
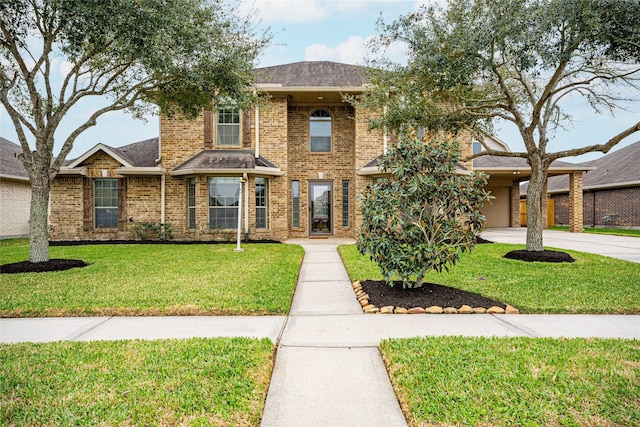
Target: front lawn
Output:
{"points": [[143, 279], [515, 381], [221, 382], [592, 284]]}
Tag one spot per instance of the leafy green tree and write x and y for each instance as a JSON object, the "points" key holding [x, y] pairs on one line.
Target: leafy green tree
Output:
{"points": [[478, 62], [424, 213], [55, 55]]}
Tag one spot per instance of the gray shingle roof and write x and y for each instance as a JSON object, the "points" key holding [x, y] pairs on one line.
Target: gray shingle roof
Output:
{"points": [[224, 159], [141, 154], [511, 162], [621, 166], [312, 73], [10, 165]]}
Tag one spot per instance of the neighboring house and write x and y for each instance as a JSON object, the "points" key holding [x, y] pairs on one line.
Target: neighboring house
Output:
{"points": [[15, 192], [302, 160], [611, 192]]}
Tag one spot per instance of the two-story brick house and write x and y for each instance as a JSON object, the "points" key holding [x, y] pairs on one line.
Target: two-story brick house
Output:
{"points": [[302, 160]]}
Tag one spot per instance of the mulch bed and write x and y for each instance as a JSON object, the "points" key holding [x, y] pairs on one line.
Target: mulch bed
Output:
{"points": [[40, 267], [381, 294], [541, 256]]}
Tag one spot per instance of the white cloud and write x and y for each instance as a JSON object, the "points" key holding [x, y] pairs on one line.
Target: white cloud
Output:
{"points": [[271, 11], [351, 51]]}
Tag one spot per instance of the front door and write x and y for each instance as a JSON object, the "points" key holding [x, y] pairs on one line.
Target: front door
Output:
{"points": [[320, 201]]}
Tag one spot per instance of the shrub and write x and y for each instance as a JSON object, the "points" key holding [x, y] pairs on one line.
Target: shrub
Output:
{"points": [[424, 213]]}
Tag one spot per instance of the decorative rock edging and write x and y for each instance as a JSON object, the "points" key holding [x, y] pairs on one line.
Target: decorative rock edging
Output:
{"points": [[368, 308]]}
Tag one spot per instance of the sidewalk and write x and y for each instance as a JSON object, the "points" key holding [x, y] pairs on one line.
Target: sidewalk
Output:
{"points": [[328, 368]]}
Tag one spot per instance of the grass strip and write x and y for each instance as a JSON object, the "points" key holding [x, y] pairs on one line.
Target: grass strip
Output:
{"points": [[515, 381], [610, 231], [592, 284], [221, 382], [132, 280]]}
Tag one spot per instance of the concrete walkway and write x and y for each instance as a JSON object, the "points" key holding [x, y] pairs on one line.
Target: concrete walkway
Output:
{"points": [[328, 368]]}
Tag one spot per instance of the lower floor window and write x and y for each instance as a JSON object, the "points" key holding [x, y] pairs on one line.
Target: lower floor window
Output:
{"points": [[105, 199], [295, 205], [191, 202], [261, 202], [224, 194], [345, 204]]}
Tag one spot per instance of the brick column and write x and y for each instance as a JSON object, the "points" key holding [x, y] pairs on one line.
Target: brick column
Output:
{"points": [[515, 204], [575, 202]]}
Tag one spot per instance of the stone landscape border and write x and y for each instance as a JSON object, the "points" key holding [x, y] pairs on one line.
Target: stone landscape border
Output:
{"points": [[363, 299]]}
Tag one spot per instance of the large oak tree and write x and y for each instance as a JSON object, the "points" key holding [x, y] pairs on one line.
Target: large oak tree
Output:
{"points": [[476, 62], [178, 55]]}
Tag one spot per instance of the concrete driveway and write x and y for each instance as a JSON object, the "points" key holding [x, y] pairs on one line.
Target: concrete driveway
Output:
{"points": [[622, 247]]}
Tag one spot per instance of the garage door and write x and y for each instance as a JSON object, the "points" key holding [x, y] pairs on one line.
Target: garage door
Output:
{"points": [[497, 210]]}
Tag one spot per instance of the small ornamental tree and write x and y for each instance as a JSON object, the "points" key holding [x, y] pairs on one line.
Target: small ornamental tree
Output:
{"points": [[424, 214]]}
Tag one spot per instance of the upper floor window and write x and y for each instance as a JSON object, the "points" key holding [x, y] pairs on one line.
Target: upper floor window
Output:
{"points": [[228, 126], [320, 132], [477, 147], [106, 202]]}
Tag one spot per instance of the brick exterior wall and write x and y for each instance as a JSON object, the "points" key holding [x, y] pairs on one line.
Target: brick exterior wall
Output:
{"points": [[15, 204], [283, 140], [619, 207]]}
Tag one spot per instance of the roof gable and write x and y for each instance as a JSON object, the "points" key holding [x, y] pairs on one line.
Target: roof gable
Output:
{"points": [[311, 74]]}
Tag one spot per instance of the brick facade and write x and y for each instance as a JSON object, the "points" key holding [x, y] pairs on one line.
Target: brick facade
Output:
{"points": [[281, 135], [618, 207]]}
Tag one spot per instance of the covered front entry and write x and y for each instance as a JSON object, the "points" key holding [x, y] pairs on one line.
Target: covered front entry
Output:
{"points": [[320, 208]]}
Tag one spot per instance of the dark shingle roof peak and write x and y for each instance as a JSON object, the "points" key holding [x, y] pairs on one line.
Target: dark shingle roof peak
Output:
{"points": [[312, 74]]}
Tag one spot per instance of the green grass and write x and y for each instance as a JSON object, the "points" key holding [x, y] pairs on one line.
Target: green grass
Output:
{"points": [[610, 231], [592, 284], [154, 280], [515, 381], [221, 382]]}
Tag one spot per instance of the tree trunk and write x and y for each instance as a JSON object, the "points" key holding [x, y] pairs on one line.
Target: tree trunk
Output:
{"points": [[39, 219], [534, 205]]}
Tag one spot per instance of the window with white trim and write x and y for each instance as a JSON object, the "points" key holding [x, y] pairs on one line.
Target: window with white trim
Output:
{"points": [[224, 193], [191, 203], [105, 198], [295, 208], [320, 132], [261, 202], [345, 204], [228, 126]]}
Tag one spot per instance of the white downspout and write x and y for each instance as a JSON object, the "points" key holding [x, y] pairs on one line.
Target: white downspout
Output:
{"points": [[257, 130], [162, 198], [246, 202]]}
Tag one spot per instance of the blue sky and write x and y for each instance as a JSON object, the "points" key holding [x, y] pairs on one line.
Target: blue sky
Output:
{"points": [[319, 30]]}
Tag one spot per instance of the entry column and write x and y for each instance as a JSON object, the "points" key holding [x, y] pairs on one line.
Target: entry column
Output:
{"points": [[575, 202]]}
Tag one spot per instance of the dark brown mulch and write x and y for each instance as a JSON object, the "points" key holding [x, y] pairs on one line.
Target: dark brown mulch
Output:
{"points": [[381, 294], [40, 267], [540, 256]]}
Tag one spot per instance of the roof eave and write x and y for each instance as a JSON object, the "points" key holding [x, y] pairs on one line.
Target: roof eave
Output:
{"points": [[77, 171], [141, 171], [261, 170], [270, 87], [14, 177], [100, 147]]}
